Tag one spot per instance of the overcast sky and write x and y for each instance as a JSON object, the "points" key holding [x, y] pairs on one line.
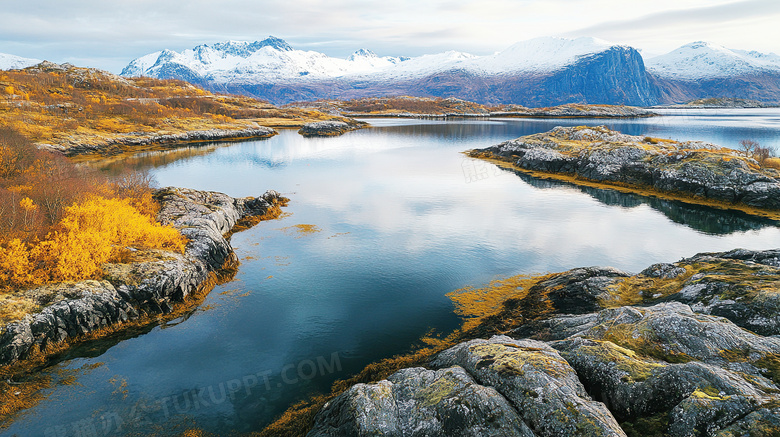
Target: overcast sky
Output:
{"points": [[109, 34]]}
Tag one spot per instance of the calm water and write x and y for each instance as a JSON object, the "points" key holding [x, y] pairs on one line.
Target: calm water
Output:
{"points": [[404, 218]]}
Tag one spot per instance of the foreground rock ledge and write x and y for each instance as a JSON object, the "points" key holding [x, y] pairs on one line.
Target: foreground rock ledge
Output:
{"points": [[677, 361], [692, 168], [136, 289]]}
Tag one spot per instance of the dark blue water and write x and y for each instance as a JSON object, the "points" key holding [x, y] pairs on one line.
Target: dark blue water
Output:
{"points": [[403, 219]]}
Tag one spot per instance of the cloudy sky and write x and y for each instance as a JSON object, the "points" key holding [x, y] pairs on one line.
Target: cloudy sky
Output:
{"points": [[109, 34]]}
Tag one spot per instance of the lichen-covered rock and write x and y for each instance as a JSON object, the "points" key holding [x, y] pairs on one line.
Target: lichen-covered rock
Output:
{"points": [[688, 168], [575, 291], [704, 371], [675, 366], [420, 402], [326, 128], [763, 422], [742, 286], [538, 381], [149, 286]]}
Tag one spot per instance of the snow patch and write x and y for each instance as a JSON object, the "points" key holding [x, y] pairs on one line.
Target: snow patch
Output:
{"points": [[12, 62]]}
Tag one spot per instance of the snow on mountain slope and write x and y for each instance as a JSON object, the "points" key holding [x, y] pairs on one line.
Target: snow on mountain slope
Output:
{"points": [[540, 55], [11, 62], [273, 60], [422, 66], [703, 60], [261, 61]]}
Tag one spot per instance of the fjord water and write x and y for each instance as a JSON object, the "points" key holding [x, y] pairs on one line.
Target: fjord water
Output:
{"points": [[402, 218]]}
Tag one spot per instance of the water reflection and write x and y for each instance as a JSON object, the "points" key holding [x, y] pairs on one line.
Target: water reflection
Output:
{"points": [[712, 221], [402, 226]]}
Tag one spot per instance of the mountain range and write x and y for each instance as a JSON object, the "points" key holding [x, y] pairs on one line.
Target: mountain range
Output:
{"points": [[539, 72]]}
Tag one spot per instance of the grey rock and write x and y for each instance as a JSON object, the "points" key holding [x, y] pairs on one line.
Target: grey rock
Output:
{"points": [[148, 287], [538, 381], [706, 375], [325, 128], [664, 271], [763, 422], [420, 402]]}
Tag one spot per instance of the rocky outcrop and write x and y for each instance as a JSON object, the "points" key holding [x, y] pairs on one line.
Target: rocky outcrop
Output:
{"points": [[326, 128], [141, 141], [662, 365], [153, 284], [692, 169], [421, 402]]}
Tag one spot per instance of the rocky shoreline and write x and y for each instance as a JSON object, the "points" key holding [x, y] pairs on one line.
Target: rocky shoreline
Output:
{"points": [[691, 169], [684, 349], [563, 111], [153, 282], [145, 141], [327, 128]]}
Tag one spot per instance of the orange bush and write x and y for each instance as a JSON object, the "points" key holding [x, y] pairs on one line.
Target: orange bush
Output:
{"points": [[15, 266], [91, 233]]}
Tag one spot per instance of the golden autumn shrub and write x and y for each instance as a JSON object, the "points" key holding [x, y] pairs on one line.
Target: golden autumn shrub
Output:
{"points": [[15, 267], [60, 222], [92, 232]]}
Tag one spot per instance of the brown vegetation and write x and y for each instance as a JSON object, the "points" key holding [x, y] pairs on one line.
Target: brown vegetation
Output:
{"points": [[379, 106], [763, 155], [66, 105], [58, 222]]}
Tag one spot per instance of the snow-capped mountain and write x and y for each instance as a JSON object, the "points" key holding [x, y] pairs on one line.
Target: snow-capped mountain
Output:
{"points": [[703, 60], [11, 62], [271, 69], [703, 70], [537, 72], [264, 61]]}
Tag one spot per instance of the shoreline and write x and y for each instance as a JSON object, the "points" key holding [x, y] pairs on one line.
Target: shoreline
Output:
{"points": [[632, 189], [608, 353], [125, 145], [156, 285]]}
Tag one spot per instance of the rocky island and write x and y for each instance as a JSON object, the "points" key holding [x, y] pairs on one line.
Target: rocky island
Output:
{"points": [[691, 170], [683, 349], [328, 128]]}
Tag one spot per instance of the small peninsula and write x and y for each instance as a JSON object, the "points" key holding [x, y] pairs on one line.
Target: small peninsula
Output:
{"points": [[85, 112], [691, 171]]}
